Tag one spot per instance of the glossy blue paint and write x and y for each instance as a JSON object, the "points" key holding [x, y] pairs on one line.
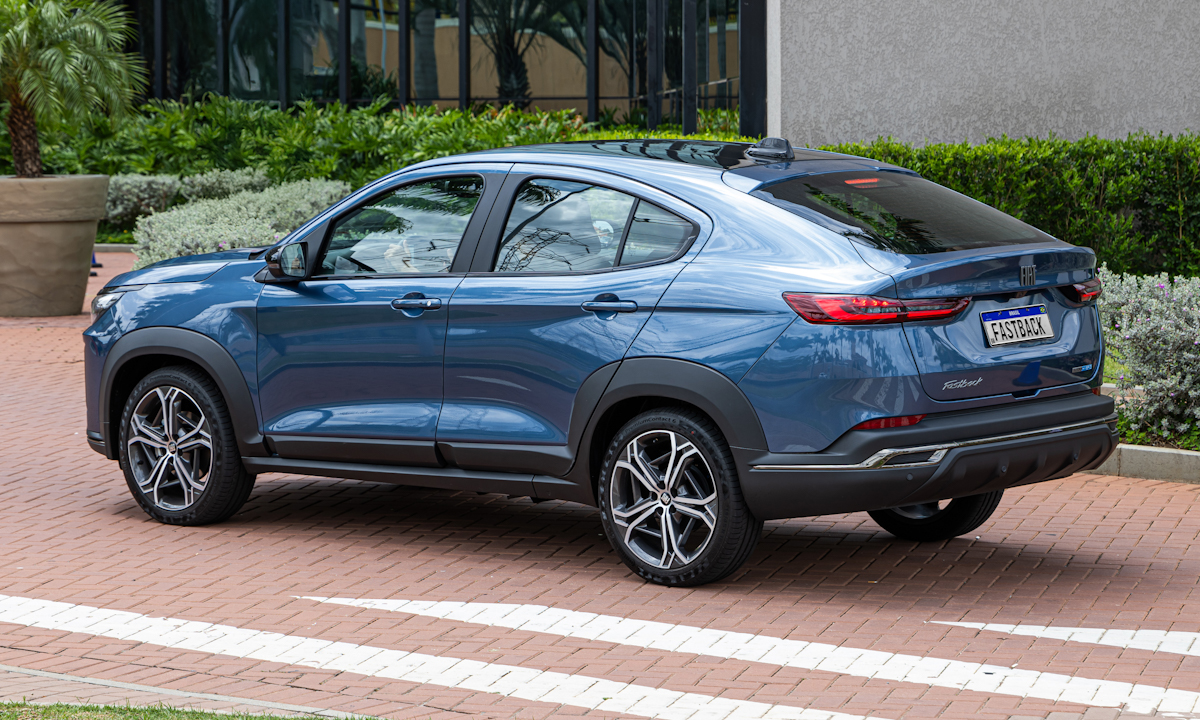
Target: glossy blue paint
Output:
{"points": [[336, 359], [818, 381], [947, 352], [504, 359], [520, 346]]}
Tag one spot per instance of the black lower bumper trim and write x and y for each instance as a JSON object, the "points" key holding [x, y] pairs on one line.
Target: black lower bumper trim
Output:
{"points": [[980, 466]]}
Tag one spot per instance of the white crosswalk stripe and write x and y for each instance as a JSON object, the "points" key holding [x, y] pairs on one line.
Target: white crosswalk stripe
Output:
{"points": [[856, 662], [536, 685], [1168, 641]]}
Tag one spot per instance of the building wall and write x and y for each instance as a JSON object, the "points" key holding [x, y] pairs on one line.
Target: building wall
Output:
{"points": [[927, 71]]}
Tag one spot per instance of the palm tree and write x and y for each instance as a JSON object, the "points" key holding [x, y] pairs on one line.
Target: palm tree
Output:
{"points": [[510, 29], [60, 59]]}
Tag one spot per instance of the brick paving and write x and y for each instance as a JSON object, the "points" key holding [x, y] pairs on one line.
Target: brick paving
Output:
{"points": [[1087, 551]]}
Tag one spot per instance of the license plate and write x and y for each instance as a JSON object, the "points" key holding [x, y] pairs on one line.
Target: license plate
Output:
{"points": [[1002, 327]]}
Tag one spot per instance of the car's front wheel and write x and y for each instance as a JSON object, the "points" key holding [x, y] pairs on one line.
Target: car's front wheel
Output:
{"points": [[933, 521], [671, 503], [178, 450]]}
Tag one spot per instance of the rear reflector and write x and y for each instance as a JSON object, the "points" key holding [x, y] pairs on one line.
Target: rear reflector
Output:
{"points": [[867, 309], [892, 422], [1085, 292]]}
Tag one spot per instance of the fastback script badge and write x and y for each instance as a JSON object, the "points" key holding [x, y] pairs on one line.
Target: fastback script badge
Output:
{"points": [[960, 384]]}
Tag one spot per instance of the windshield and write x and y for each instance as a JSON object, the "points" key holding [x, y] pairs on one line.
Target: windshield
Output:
{"points": [[899, 213]]}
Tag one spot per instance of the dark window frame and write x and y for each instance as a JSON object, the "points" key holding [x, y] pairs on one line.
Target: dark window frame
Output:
{"points": [[466, 246], [508, 195]]}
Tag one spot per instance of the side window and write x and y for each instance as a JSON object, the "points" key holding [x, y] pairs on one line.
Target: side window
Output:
{"points": [[415, 229], [654, 235], [561, 226]]}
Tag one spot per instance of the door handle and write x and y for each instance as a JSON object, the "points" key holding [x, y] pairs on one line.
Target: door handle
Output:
{"points": [[621, 306], [417, 303]]}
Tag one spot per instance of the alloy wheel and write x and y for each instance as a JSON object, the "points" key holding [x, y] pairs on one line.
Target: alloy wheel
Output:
{"points": [[170, 448], [664, 499]]}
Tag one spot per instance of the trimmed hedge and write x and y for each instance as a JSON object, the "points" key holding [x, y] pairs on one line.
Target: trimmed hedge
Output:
{"points": [[1136, 201]]}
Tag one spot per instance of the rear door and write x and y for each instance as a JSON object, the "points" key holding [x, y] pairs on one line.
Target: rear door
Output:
{"points": [[350, 359], [1025, 327], [571, 265]]}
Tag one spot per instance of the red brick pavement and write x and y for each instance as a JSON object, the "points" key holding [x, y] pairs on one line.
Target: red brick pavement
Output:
{"points": [[1086, 551]]}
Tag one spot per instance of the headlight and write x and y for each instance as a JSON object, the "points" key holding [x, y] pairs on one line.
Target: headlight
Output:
{"points": [[101, 303]]}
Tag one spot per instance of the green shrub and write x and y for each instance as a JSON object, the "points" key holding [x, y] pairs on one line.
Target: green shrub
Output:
{"points": [[216, 184], [246, 219], [1152, 327], [133, 196], [1135, 201]]}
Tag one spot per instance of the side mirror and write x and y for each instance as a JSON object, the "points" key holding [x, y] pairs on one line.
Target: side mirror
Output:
{"points": [[287, 263]]}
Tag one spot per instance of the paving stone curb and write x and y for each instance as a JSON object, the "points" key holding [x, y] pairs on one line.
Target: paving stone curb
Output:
{"points": [[1152, 463], [113, 247]]}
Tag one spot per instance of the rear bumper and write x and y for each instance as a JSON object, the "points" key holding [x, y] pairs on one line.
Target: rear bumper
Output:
{"points": [[957, 454]]}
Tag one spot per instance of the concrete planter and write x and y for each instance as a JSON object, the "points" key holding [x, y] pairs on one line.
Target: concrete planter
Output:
{"points": [[47, 228]]}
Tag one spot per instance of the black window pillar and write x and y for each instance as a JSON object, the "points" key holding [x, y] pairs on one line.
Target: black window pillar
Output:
{"points": [[160, 49], [689, 67], [343, 52], [654, 62], [593, 60], [464, 54], [222, 47], [283, 49], [402, 69], [752, 61]]}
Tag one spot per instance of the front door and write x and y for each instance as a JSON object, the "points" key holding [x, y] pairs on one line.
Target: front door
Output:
{"points": [[350, 360], [572, 272]]}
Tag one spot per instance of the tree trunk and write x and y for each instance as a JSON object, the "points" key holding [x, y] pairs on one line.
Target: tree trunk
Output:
{"points": [[22, 129], [425, 74]]}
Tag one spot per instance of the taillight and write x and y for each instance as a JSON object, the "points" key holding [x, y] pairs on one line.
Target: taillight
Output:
{"points": [[867, 309], [892, 422], [1084, 292]]}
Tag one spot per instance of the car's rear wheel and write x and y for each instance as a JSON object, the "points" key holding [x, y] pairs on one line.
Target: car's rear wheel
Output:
{"points": [[671, 503], [932, 521], [178, 450]]}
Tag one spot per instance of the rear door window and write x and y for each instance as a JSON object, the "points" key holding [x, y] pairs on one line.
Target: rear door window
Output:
{"points": [[899, 213], [562, 226]]}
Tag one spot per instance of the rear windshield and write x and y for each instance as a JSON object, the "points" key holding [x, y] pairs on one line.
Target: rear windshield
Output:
{"points": [[899, 213]]}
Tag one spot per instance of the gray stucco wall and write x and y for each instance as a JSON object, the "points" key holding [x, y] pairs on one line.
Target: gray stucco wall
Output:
{"points": [[928, 71]]}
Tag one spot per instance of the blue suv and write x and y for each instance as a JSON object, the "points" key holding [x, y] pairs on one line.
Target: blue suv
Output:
{"points": [[693, 336]]}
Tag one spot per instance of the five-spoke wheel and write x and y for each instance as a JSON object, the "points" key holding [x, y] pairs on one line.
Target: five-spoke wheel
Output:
{"points": [[178, 450], [672, 505]]}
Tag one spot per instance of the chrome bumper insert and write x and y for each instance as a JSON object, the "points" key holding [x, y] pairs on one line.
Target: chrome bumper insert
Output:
{"points": [[881, 458]]}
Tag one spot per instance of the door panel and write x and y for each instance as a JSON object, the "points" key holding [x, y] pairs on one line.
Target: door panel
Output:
{"points": [[520, 346], [350, 361], [521, 342]]}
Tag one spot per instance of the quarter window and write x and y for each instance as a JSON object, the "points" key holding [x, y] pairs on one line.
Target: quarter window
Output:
{"points": [[415, 229], [558, 226]]}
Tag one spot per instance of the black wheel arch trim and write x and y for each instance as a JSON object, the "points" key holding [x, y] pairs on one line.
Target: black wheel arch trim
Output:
{"points": [[659, 377], [194, 347]]}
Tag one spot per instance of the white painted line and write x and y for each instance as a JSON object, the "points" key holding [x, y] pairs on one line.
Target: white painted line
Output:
{"points": [[872, 664], [181, 693], [1169, 641], [536, 685]]}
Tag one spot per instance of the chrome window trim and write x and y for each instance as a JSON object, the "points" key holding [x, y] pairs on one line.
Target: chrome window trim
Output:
{"points": [[939, 451]]}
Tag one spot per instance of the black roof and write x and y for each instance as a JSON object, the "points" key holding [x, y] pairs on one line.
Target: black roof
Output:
{"points": [[707, 153]]}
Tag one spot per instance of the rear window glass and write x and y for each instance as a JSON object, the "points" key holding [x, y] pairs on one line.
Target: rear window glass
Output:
{"points": [[898, 213]]}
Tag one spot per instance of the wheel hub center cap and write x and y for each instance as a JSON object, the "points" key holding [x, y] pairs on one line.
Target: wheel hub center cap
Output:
{"points": [[171, 447], [665, 498]]}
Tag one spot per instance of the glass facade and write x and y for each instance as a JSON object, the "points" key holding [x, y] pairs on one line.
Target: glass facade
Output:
{"points": [[528, 53]]}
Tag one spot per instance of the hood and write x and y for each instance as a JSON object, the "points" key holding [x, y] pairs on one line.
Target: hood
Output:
{"points": [[189, 268]]}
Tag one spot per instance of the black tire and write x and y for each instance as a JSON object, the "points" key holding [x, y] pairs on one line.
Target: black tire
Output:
{"points": [[166, 448], [931, 522], [709, 547]]}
